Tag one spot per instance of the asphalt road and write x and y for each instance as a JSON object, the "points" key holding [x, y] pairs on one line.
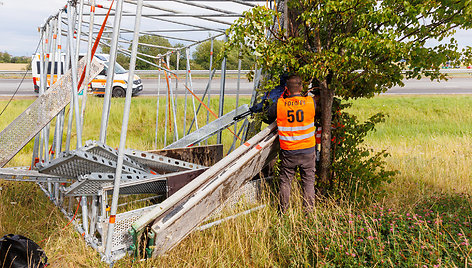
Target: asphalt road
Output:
{"points": [[423, 86]]}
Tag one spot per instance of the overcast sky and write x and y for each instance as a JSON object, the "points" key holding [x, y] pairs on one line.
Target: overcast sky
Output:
{"points": [[19, 21]]}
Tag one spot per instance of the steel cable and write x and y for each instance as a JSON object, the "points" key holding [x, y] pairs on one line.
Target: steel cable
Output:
{"points": [[21, 82]]}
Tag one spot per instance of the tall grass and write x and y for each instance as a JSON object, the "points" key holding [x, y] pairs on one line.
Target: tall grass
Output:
{"points": [[421, 218], [429, 138]]}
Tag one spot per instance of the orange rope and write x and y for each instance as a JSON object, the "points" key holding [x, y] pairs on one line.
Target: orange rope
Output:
{"points": [[168, 99], [73, 218]]}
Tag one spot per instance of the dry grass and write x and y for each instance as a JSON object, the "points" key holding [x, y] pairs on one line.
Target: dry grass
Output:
{"points": [[13, 66], [429, 141]]}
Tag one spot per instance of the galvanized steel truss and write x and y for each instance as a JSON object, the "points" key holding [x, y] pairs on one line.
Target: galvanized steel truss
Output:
{"points": [[90, 172]]}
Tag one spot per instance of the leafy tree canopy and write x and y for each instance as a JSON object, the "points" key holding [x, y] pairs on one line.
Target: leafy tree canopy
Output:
{"points": [[361, 45], [201, 56], [353, 48], [160, 45]]}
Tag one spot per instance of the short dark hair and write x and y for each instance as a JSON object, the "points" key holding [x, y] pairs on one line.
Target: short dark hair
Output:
{"points": [[294, 83]]}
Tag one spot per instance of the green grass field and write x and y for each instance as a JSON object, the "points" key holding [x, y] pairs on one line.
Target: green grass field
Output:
{"points": [[421, 219]]}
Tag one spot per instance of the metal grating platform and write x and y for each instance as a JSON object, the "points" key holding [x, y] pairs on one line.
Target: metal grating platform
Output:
{"points": [[105, 151], [16, 135], [92, 184], [77, 163], [150, 185], [161, 164], [208, 130], [121, 237]]}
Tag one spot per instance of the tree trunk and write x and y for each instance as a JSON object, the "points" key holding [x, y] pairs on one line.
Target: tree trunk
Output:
{"points": [[292, 21], [327, 96]]}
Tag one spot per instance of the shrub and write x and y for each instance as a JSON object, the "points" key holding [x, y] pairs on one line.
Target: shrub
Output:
{"points": [[355, 167]]}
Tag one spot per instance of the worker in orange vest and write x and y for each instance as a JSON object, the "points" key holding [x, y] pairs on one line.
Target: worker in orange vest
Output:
{"points": [[295, 116]]}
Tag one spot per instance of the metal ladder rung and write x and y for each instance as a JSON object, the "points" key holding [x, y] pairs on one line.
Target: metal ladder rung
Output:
{"points": [[208, 130]]}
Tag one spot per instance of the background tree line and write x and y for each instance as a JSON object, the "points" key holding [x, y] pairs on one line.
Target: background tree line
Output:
{"points": [[5, 57]]}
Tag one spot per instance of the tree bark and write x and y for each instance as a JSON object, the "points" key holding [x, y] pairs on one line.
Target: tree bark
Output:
{"points": [[292, 20], [327, 96]]}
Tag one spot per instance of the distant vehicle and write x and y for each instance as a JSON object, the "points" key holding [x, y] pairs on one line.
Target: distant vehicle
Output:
{"points": [[120, 80], [35, 69], [97, 86]]}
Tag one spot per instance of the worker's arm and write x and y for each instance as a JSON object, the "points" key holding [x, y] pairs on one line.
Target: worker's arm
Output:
{"points": [[271, 113]]}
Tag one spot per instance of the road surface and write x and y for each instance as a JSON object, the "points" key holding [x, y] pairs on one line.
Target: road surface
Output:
{"points": [[423, 86]]}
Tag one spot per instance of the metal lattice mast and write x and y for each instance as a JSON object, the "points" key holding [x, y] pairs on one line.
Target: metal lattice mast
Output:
{"points": [[111, 71], [124, 129]]}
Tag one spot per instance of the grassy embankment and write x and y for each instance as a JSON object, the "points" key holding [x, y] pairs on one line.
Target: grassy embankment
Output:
{"points": [[422, 217]]}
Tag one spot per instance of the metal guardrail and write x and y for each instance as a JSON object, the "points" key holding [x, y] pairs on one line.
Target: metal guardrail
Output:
{"points": [[144, 72], [195, 72], [14, 72], [243, 72]]}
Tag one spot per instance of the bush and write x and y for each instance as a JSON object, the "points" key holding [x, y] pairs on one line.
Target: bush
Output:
{"points": [[356, 168]]}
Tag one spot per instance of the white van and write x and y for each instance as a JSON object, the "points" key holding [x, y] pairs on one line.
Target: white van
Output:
{"points": [[97, 86], [35, 68]]}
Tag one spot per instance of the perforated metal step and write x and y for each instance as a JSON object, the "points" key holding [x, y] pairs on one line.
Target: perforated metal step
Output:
{"points": [[121, 237], [73, 164], [162, 164], [152, 185], [208, 130], [92, 184], [16, 135]]}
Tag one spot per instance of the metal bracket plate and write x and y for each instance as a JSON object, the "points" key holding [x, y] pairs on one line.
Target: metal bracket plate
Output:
{"points": [[10, 174], [105, 151]]}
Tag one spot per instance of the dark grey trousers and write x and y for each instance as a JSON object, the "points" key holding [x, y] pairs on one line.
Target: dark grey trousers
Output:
{"points": [[306, 164]]}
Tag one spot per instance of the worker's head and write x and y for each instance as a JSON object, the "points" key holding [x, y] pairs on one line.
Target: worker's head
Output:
{"points": [[294, 84]]}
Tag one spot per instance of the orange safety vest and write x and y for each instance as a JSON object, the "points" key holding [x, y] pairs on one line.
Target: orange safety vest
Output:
{"points": [[296, 123]]}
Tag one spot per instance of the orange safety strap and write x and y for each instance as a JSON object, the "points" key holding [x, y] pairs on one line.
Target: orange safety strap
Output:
{"points": [[95, 45], [168, 98], [201, 102], [73, 218], [75, 214]]}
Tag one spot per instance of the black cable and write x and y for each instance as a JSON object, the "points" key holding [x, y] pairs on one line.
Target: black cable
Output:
{"points": [[21, 82]]}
